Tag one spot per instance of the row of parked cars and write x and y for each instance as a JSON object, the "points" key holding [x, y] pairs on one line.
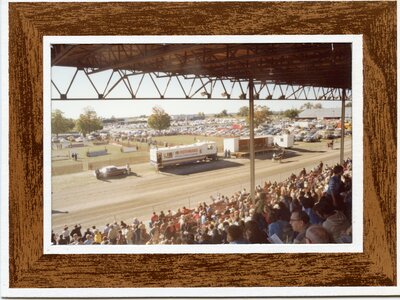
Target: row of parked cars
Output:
{"points": [[224, 127]]}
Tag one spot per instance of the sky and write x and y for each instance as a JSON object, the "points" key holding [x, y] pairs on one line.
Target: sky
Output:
{"points": [[81, 86]]}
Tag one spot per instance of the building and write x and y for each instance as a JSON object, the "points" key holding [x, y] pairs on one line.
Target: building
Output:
{"points": [[324, 114]]}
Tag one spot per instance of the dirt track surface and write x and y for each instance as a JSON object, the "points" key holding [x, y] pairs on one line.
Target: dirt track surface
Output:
{"points": [[89, 201]]}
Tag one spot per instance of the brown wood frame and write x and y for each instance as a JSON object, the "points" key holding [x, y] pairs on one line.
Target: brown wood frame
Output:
{"points": [[29, 22]]}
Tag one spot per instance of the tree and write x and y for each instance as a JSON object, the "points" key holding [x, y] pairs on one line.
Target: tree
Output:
{"points": [[159, 120], [291, 113], [60, 124], [307, 105], [348, 104], [261, 114], [222, 114], [318, 106], [201, 115], [88, 121], [243, 111]]}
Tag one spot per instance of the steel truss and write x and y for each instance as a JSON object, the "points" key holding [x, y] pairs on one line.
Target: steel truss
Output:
{"points": [[92, 84]]}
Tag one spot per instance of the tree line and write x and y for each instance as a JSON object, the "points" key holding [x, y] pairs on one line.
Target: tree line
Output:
{"points": [[159, 120]]}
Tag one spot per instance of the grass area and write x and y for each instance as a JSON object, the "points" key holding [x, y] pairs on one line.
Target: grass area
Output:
{"points": [[116, 157]]}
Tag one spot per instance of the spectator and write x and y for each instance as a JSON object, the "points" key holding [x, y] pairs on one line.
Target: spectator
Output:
{"points": [[87, 232], [154, 219], [336, 187], [121, 240], [235, 235], [97, 237], [316, 234], [155, 234], [254, 235], [75, 239], [88, 239], [144, 236], [335, 221], [280, 227], [62, 240], [216, 237], [300, 221], [112, 235], [65, 233], [129, 235]]}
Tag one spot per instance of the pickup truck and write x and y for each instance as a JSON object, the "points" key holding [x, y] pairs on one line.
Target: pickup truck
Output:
{"points": [[112, 171]]}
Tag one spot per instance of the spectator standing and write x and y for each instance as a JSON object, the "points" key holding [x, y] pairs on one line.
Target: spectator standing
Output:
{"points": [[65, 233], [112, 234], [97, 237], [336, 187]]}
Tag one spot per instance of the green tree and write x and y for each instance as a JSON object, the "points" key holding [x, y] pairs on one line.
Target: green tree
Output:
{"points": [[60, 124], [291, 113], [243, 111], [222, 114], [307, 105], [159, 120], [261, 114], [318, 106], [88, 121], [201, 115]]}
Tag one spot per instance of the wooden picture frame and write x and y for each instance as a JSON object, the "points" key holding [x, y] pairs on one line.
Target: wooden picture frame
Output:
{"points": [[29, 268]]}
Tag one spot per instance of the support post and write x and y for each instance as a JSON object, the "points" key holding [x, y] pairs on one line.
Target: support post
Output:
{"points": [[342, 126], [251, 118]]}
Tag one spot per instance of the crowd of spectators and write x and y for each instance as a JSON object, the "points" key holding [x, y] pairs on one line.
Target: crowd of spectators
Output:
{"points": [[314, 206]]}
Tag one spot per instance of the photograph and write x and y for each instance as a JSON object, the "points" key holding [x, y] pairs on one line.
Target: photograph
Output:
{"points": [[193, 144]]}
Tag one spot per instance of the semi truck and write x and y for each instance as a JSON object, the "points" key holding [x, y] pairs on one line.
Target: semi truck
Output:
{"points": [[177, 155], [240, 146]]}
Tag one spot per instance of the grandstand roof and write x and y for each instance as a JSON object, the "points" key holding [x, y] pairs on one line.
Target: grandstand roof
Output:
{"points": [[304, 64]]}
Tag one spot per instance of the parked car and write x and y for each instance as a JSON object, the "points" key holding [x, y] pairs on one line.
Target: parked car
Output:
{"points": [[311, 138], [112, 171], [298, 137]]}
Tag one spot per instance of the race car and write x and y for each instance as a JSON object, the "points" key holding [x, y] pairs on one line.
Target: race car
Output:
{"points": [[112, 171]]}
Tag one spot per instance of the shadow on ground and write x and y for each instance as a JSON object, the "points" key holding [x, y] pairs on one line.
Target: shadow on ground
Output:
{"points": [[200, 167], [307, 150], [54, 212], [268, 156], [131, 174]]}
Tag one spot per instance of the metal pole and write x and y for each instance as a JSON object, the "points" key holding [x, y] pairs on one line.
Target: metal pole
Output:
{"points": [[251, 118], [342, 126]]}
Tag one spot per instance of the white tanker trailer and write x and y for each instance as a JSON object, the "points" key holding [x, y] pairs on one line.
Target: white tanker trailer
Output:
{"points": [[168, 156]]}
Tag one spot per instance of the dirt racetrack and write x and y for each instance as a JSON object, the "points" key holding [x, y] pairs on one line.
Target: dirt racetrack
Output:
{"points": [[82, 199]]}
